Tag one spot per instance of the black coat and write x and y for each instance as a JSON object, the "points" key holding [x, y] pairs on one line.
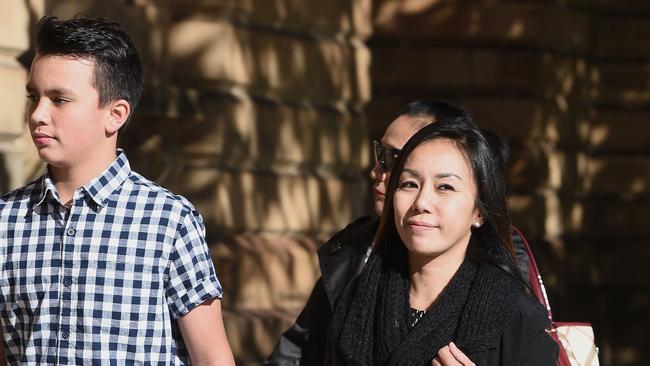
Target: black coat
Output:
{"points": [[525, 341], [340, 260]]}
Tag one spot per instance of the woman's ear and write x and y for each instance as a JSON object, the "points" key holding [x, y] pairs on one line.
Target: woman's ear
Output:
{"points": [[478, 220], [118, 115]]}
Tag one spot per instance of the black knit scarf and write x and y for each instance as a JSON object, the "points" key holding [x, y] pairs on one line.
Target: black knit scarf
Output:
{"points": [[369, 326]]}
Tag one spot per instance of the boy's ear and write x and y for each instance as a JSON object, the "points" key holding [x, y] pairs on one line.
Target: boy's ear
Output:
{"points": [[119, 113]]}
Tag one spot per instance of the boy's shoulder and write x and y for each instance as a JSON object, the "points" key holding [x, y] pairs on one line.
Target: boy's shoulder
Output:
{"points": [[157, 193], [30, 192]]}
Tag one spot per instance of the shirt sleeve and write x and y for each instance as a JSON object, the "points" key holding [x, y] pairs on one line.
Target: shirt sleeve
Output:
{"points": [[192, 278]]}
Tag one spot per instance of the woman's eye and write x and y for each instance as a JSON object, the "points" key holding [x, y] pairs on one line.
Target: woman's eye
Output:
{"points": [[446, 187], [408, 184]]}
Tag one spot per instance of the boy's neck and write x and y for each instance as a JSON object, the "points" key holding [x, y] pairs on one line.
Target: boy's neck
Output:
{"points": [[69, 178]]}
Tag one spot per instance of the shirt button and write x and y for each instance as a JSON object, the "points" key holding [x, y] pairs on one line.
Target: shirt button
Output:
{"points": [[71, 231], [65, 334], [67, 282]]}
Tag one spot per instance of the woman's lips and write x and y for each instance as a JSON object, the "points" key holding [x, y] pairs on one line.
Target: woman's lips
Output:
{"points": [[417, 225]]}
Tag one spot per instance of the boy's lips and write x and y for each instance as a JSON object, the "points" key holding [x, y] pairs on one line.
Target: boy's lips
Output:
{"points": [[41, 138]]}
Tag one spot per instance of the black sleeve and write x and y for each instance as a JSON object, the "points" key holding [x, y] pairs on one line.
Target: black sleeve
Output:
{"points": [[304, 342], [537, 347], [526, 341]]}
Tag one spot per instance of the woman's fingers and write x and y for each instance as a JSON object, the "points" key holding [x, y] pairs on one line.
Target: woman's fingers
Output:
{"points": [[446, 358], [459, 355], [452, 356]]}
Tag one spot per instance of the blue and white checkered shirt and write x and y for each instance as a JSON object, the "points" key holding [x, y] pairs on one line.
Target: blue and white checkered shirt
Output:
{"points": [[104, 281]]}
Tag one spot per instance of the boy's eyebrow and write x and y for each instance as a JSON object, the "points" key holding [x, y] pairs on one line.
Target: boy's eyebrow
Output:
{"points": [[55, 91]]}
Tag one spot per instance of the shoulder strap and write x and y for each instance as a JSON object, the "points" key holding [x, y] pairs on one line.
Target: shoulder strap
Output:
{"points": [[539, 291], [534, 277]]}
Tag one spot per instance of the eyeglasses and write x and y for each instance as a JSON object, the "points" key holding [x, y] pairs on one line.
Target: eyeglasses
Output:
{"points": [[385, 156]]}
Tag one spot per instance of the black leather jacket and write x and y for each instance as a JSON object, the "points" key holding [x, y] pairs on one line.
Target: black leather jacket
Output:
{"points": [[340, 260]]}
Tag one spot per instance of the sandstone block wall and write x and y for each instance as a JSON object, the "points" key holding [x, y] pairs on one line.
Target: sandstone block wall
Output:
{"points": [[567, 84], [261, 113], [254, 110]]}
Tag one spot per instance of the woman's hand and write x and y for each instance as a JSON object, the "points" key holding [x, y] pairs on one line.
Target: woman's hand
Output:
{"points": [[451, 356]]}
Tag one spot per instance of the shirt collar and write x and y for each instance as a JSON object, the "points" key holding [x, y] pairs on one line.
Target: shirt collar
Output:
{"points": [[100, 187]]}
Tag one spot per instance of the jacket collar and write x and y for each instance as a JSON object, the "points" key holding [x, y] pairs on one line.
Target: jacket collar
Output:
{"points": [[340, 257]]}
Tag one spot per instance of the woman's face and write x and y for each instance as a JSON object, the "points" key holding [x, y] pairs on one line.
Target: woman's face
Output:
{"points": [[435, 200]]}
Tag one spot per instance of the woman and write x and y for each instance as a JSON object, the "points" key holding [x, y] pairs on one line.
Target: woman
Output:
{"points": [[442, 287]]}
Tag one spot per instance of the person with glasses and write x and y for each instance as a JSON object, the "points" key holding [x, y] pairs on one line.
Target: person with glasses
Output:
{"points": [[344, 255]]}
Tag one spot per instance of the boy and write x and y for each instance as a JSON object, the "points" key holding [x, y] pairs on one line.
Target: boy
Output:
{"points": [[99, 265]]}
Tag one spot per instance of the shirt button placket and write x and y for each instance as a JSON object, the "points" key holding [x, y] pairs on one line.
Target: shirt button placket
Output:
{"points": [[66, 320]]}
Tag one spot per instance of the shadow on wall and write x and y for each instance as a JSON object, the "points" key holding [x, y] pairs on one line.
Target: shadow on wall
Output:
{"points": [[569, 87], [260, 126], [225, 104]]}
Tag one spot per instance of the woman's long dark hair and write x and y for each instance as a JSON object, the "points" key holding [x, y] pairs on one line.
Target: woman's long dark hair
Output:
{"points": [[492, 241]]}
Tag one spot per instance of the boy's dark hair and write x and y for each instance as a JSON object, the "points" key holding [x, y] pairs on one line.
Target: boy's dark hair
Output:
{"points": [[118, 73]]}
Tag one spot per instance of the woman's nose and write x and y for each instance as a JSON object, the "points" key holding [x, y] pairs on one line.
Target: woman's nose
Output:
{"points": [[423, 201]]}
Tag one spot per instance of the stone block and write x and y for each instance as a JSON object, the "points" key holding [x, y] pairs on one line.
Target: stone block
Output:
{"points": [[515, 118], [620, 7], [617, 37], [527, 169], [327, 18], [565, 79], [565, 29], [253, 334], [431, 69], [14, 100], [490, 21], [527, 212], [619, 131], [255, 201], [275, 137], [528, 119], [214, 52], [17, 21], [620, 84], [265, 271], [608, 219], [594, 264], [625, 177]]}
